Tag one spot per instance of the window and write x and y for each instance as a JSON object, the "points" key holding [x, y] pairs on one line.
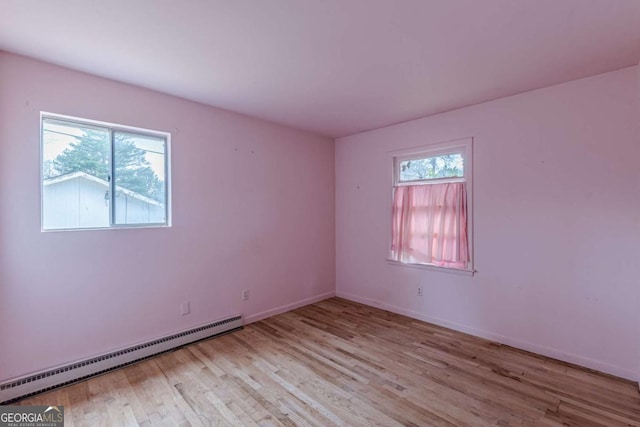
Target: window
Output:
{"points": [[431, 212], [98, 175]]}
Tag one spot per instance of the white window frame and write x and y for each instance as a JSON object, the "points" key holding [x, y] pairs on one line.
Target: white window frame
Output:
{"points": [[112, 128], [464, 146]]}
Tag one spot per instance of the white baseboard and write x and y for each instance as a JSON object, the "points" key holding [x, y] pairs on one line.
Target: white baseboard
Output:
{"points": [[287, 307], [85, 368], [502, 339]]}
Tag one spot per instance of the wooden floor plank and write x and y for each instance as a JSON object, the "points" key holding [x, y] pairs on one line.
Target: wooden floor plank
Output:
{"points": [[339, 363]]}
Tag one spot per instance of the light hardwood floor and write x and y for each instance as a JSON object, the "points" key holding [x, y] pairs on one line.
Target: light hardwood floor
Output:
{"points": [[341, 363]]}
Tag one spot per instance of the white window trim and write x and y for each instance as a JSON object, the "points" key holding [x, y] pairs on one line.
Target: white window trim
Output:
{"points": [[114, 127], [462, 145], [432, 267]]}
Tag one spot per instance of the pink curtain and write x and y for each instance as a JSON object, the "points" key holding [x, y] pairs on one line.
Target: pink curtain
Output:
{"points": [[430, 225]]}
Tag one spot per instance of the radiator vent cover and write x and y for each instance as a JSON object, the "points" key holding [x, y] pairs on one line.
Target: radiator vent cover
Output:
{"points": [[26, 386]]}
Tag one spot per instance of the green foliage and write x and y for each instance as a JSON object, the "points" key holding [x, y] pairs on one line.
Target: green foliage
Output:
{"points": [[133, 171], [445, 166], [90, 154]]}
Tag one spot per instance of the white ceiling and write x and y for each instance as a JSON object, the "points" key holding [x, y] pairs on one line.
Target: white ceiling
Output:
{"points": [[333, 67]]}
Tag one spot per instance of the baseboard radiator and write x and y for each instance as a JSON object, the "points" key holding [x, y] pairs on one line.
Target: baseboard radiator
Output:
{"points": [[19, 388]]}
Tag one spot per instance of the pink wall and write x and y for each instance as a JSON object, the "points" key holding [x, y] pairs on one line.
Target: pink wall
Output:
{"points": [[557, 236], [267, 226], [556, 223]]}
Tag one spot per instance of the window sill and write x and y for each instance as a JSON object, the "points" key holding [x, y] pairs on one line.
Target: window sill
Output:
{"points": [[114, 227], [432, 267]]}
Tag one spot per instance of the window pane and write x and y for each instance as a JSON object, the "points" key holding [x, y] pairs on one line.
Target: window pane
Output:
{"points": [[445, 166], [75, 175], [140, 179]]}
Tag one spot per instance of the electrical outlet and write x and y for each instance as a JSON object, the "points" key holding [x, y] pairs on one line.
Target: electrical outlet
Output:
{"points": [[185, 308], [419, 292], [245, 294]]}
